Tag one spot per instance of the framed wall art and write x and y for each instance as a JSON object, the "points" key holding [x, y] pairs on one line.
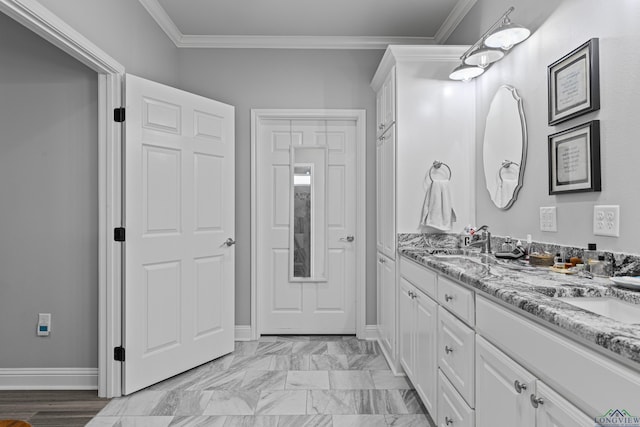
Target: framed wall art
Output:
{"points": [[573, 83], [574, 159]]}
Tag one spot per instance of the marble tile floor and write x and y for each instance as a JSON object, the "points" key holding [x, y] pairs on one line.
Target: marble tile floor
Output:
{"points": [[278, 381]]}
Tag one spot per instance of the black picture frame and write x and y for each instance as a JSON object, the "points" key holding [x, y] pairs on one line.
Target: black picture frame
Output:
{"points": [[573, 83], [574, 159]]}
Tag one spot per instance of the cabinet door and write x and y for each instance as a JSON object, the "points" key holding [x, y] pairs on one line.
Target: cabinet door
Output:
{"points": [[389, 193], [380, 113], [555, 411], [503, 389], [407, 326], [387, 286], [426, 351], [389, 99], [380, 211]]}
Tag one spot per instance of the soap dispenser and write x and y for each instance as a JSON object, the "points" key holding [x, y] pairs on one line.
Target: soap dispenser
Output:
{"points": [[507, 246]]}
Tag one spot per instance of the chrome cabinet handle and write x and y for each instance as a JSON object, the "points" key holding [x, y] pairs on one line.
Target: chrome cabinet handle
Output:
{"points": [[519, 386], [448, 349], [382, 138], [535, 401], [382, 260], [381, 126], [347, 239], [230, 242], [448, 297], [448, 421]]}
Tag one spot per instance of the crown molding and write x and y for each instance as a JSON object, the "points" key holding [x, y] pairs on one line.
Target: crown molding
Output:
{"points": [[454, 19], [298, 42], [165, 22], [163, 19]]}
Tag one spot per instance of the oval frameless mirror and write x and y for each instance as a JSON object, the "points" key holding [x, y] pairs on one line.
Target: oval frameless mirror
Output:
{"points": [[504, 151]]}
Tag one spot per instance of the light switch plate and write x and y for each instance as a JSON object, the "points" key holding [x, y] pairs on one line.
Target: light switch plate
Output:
{"points": [[548, 219], [606, 220]]}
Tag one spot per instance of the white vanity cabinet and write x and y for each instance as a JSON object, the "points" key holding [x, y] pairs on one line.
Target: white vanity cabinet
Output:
{"points": [[421, 117], [506, 388], [573, 383], [418, 328]]}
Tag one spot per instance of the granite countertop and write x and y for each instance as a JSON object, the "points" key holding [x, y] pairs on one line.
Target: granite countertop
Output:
{"points": [[532, 289]]}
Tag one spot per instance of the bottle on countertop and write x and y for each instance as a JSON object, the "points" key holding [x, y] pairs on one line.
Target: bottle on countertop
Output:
{"points": [[589, 254], [507, 246], [600, 267]]}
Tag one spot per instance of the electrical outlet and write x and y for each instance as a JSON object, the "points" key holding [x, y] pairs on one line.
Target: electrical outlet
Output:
{"points": [[548, 219], [606, 220]]}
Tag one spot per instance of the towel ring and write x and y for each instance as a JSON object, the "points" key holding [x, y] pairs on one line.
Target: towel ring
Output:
{"points": [[506, 164], [437, 165]]}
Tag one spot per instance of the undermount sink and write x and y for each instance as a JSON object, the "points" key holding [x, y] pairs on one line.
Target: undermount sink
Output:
{"points": [[612, 308]]}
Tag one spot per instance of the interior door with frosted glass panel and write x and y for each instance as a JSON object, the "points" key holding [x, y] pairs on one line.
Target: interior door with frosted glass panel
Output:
{"points": [[179, 273], [325, 305]]}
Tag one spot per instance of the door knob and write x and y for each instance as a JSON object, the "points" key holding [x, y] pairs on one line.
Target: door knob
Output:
{"points": [[448, 421], [347, 239], [230, 242], [448, 349]]}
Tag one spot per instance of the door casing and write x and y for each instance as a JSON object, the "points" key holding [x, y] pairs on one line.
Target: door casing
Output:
{"points": [[359, 116], [41, 21]]}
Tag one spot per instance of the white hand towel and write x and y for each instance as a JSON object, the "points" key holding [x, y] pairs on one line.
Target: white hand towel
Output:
{"points": [[504, 192], [437, 210]]}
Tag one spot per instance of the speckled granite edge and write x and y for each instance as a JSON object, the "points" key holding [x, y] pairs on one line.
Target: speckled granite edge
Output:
{"points": [[533, 290], [624, 264]]}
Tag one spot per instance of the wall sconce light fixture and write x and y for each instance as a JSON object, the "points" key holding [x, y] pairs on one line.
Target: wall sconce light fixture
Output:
{"points": [[492, 46]]}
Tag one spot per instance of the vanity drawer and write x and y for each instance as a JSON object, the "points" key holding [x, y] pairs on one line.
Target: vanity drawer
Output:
{"points": [[457, 299], [419, 276], [452, 409], [456, 354]]}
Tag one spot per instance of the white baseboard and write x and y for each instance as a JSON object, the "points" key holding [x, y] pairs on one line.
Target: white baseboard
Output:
{"points": [[371, 333], [243, 333], [49, 379]]}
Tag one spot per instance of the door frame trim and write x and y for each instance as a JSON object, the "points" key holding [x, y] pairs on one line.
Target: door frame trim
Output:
{"points": [[47, 25], [359, 116]]}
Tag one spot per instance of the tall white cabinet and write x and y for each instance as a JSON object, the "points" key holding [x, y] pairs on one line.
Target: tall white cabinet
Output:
{"points": [[422, 116]]}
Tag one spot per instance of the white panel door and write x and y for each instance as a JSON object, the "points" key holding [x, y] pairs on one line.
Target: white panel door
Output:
{"points": [[179, 280], [312, 307]]}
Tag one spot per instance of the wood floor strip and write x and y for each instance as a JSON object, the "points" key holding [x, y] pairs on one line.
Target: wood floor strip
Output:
{"points": [[51, 408]]}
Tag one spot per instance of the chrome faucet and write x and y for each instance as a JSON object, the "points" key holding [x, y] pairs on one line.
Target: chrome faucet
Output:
{"points": [[484, 242]]}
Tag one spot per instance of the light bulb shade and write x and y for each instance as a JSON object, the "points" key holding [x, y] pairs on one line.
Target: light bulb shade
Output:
{"points": [[507, 35], [484, 56], [465, 72]]}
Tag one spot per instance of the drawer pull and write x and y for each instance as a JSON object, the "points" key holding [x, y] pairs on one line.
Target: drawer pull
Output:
{"points": [[535, 401], [448, 349], [448, 297], [382, 260], [519, 386], [381, 126], [448, 421]]}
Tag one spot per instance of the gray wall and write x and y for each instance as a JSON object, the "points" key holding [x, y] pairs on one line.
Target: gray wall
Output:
{"points": [[247, 79], [568, 24], [124, 30], [49, 209]]}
